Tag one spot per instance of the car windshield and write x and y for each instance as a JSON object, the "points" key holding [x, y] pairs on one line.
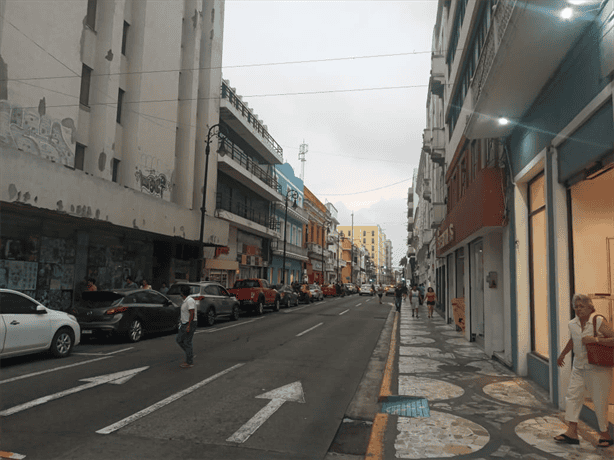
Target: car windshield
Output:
{"points": [[246, 284], [99, 299]]}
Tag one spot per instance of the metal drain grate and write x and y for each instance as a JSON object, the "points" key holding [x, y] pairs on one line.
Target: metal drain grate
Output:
{"points": [[407, 407]]}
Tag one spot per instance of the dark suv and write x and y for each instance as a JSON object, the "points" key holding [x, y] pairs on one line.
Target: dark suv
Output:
{"points": [[212, 300], [130, 312]]}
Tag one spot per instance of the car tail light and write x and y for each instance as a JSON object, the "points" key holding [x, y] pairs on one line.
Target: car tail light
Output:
{"points": [[114, 311]]}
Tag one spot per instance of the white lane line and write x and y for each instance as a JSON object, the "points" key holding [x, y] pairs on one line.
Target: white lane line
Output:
{"points": [[343, 312], [310, 329], [148, 410], [103, 354], [359, 304], [209, 331], [52, 370], [295, 309]]}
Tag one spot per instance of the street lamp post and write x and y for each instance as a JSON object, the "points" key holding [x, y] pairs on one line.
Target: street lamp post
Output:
{"points": [[214, 131], [292, 194]]}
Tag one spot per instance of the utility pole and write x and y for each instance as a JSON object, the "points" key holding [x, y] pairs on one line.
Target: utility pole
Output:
{"points": [[352, 252]]}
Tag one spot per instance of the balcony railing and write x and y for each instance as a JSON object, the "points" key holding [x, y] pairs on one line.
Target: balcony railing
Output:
{"points": [[234, 151], [228, 93], [501, 16], [223, 202]]}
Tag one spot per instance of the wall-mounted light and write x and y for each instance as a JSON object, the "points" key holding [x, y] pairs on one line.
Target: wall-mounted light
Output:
{"points": [[566, 13], [503, 121]]}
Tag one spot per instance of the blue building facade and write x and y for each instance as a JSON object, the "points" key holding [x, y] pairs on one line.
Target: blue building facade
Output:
{"points": [[561, 155], [291, 229]]}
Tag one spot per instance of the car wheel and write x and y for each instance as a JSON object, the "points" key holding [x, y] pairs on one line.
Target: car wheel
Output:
{"points": [[62, 343], [276, 305], [260, 308], [234, 316], [210, 317], [296, 302], [135, 331]]}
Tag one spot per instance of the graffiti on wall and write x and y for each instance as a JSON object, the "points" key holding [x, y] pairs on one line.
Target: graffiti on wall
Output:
{"points": [[152, 182], [34, 132], [153, 176]]}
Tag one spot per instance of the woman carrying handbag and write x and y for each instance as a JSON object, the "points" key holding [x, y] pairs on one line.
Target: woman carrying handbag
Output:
{"points": [[596, 379]]}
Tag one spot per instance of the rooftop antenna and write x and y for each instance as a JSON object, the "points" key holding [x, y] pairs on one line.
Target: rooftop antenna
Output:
{"points": [[301, 156]]}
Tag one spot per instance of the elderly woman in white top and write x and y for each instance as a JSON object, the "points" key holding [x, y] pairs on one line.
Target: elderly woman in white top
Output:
{"points": [[584, 376]]}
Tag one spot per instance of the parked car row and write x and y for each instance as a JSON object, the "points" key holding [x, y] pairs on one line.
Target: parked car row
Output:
{"points": [[27, 326]]}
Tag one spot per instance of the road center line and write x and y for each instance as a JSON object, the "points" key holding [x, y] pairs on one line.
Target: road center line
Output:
{"points": [[209, 331], [310, 329], [103, 354], [148, 410], [34, 374], [343, 312]]}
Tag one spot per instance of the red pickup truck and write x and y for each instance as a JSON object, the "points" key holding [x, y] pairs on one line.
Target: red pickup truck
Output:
{"points": [[254, 294]]}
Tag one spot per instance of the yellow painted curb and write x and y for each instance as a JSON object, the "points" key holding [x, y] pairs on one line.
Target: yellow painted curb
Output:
{"points": [[385, 389], [375, 450]]}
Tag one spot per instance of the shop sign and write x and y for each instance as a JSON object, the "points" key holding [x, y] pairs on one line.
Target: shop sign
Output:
{"points": [[221, 250], [445, 237]]}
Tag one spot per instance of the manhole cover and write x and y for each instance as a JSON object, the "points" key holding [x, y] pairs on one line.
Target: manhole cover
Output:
{"points": [[407, 407]]}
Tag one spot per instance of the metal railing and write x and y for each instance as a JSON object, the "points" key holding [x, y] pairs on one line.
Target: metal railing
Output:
{"points": [[233, 151], [228, 93], [223, 202]]}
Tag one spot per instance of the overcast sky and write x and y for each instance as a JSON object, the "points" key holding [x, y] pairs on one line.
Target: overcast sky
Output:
{"points": [[361, 140]]}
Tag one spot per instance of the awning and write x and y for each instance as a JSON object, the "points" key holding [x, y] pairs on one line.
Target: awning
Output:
{"points": [[221, 264]]}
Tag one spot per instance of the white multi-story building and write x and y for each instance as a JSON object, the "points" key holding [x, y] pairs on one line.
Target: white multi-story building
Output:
{"points": [[108, 108]]}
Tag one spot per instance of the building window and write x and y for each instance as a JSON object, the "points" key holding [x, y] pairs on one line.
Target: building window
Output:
{"points": [[372, 248], [372, 240], [115, 164], [372, 232], [79, 156], [125, 37], [364, 241], [90, 18], [538, 253], [120, 102], [364, 233], [86, 79]]}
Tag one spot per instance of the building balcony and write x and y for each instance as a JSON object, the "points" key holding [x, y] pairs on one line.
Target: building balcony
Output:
{"points": [[476, 213], [438, 75], [292, 251], [235, 163], [525, 44], [439, 214], [262, 223], [314, 250], [235, 113]]}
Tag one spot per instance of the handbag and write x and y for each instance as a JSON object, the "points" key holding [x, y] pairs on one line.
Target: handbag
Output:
{"points": [[599, 354]]}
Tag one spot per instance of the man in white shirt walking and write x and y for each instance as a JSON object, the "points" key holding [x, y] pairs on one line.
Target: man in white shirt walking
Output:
{"points": [[187, 327]]}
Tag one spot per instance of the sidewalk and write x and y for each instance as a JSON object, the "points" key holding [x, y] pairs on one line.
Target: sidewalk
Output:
{"points": [[442, 397]]}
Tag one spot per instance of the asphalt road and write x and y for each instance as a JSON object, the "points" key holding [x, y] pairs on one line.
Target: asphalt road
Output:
{"points": [[270, 387]]}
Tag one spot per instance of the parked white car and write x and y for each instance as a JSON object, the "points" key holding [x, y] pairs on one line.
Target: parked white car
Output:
{"points": [[27, 326]]}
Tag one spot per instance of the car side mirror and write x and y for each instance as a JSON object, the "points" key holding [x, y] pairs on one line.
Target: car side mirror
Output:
{"points": [[40, 310]]}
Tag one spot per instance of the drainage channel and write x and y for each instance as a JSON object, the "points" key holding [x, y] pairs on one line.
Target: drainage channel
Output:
{"points": [[406, 406]]}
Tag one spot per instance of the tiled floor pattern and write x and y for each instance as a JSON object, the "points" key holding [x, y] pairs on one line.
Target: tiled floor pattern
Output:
{"points": [[491, 398]]}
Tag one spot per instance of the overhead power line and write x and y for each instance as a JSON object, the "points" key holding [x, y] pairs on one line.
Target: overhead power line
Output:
{"points": [[364, 191]]}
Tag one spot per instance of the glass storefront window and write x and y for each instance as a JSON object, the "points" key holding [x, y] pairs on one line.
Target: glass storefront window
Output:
{"points": [[540, 330]]}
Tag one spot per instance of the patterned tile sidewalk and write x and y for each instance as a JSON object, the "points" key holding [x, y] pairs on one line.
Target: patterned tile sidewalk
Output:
{"points": [[478, 408]]}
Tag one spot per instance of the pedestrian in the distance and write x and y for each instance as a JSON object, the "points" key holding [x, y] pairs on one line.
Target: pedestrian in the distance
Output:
{"points": [[586, 377], [91, 284], [187, 327], [399, 293], [380, 292], [145, 284], [415, 299], [431, 298], [164, 289], [130, 284]]}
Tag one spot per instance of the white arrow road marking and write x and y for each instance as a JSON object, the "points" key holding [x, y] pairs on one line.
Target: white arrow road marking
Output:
{"points": [[116, 378], [33, 374], [292, 392], [310, 329], [148, 410]]}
